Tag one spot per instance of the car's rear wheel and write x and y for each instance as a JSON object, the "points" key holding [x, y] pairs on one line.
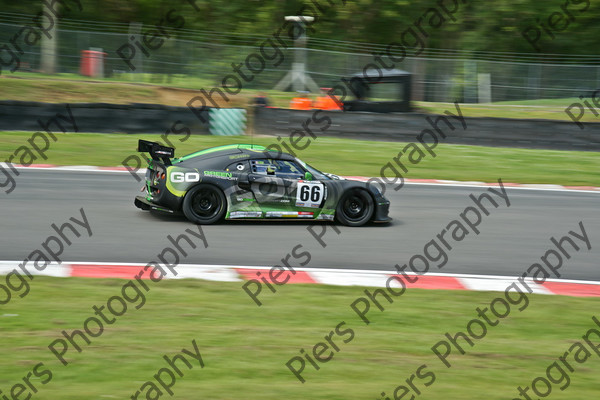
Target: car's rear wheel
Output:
{"points": [[204, 204], [355, 208]]}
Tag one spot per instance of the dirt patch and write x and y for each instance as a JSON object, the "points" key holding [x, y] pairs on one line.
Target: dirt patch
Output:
{"points": [[180, 97], [81, 91]]}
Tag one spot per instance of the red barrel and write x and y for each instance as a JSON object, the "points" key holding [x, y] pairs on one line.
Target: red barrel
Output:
{"points": [[92, 63]]}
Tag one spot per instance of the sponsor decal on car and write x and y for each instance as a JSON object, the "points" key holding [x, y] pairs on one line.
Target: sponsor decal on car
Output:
{"points": [[178, 177], [221, 175], [289, 214], [236, 156], [325, 217], [245, 214]]}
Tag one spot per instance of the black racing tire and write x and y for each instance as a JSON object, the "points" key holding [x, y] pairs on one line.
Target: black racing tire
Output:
{"points": [[204, 204], [355, 207]]}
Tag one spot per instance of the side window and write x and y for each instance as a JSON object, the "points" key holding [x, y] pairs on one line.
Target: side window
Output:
{"points": [[262, 167], [238, 166], [279, 168], [288, 169]]}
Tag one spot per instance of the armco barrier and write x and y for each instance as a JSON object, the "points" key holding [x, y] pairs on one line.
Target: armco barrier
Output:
{"points": [[504, 132], [152, 118], [102, 117]]}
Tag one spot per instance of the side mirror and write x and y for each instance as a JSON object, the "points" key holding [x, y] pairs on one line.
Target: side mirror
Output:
{"points": [[308, 176]]}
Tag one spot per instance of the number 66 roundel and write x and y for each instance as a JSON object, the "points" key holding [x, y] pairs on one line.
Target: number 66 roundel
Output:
{"points": [[310, 194]]}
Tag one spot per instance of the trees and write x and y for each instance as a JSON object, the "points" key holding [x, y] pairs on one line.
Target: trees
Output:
{"points": [[564, 26]]}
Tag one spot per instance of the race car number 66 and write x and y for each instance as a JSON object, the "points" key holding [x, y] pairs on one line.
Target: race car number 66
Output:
{"points": [[309, 194]]}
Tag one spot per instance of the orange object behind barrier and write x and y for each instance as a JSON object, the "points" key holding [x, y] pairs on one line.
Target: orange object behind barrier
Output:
{"points": [[301, 103], [326, 103]]}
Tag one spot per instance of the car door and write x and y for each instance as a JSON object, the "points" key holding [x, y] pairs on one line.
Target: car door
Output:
{"points": [[279, 185], [268, 186]]}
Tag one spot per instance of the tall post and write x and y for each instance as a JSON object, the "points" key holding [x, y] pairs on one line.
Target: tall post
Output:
{"points": [[299, 65], [135, 29], [470, 78], [48, 44], [297, 76]]}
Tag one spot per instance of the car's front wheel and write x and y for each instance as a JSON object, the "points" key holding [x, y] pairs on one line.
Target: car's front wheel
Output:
{"points": [[204, 204], [355, 208]]}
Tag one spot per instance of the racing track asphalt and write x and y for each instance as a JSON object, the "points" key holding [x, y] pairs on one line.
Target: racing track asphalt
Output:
{"points": [[511, 239]]}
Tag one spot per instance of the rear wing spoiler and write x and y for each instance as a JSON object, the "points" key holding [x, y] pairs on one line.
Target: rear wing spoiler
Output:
{"points": [[157, 151]]}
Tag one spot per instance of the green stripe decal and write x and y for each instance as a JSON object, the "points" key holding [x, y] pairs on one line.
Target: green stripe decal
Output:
{"points": [[220, 148]]}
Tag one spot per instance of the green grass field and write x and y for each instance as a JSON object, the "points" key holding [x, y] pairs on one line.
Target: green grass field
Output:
{"points": [[345, 157], [174, 80], [526, 109], [245, 347]]}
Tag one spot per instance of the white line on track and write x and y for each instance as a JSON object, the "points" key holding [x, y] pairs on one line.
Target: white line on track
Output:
{"points": [[141, 172]]}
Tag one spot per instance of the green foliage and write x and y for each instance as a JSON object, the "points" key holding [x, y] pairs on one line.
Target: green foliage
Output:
{"points": [[479, 26]]}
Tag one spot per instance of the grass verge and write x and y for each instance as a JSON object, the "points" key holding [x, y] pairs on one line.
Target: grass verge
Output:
{"points": [[245, 347], [344, 157], [527, 109], [177, 90]]}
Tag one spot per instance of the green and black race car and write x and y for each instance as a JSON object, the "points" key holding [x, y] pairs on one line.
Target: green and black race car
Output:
{"points": [[244, 181]]}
